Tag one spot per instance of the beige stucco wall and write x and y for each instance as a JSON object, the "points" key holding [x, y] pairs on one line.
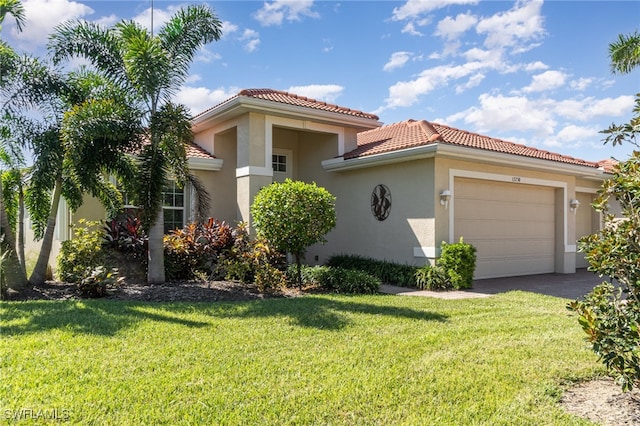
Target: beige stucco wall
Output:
{"points": [[410, 224]]}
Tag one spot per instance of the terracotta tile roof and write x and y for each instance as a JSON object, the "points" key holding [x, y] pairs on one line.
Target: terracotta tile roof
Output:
{"points": [[411, 133], [292, 99], [195, 151], [608, 164]]}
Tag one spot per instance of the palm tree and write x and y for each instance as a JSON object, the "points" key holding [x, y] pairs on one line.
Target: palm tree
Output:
{"points": [[625, 57], [12, 269], [153, 67], [85, 128]]}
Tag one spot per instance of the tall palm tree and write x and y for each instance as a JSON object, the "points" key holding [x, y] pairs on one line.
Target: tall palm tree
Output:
{"points": [[12, 269], [86, 125], [153, 67]]}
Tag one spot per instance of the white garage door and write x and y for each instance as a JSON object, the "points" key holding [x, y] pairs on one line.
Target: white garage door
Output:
{"points": [[511, 225]]}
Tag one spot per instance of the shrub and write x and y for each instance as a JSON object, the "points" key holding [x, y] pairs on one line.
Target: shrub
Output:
{"points": [[338, 279], [254, 261], [385, 271], [196, 247], [82, 253], [292, 216], [127, 236], [95, 282], [458, 262], [433, 277]]}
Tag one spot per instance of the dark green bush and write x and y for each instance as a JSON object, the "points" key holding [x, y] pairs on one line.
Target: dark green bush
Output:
{"points": [[82, 253], [340, 280], [385, 271], [433, 277], [458, 261]]}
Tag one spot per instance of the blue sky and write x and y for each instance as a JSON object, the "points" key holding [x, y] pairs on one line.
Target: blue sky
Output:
{"points": [[530, 72]]}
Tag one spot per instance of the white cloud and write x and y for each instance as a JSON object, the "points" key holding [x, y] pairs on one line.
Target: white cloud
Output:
{"points": [[42, 16], [548, 80], [451, 29], [406, 93], [228, 28], [515, 28], [590, 108], [160, 17], [508, 113], [414, 8], [321, 92], [535, 66], [410, 28], [572, 135], [581, 84], [251, 39], [473, 81], [292, 10], [199, 99], [397, 60]]}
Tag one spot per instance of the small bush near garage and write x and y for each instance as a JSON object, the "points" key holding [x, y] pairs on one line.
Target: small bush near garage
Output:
{"points": [[385, 271], [458, 260], [337, 279], [453, 270]]}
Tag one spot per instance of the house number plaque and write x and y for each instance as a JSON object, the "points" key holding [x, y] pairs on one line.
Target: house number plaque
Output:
{"points": [[381, 202]]}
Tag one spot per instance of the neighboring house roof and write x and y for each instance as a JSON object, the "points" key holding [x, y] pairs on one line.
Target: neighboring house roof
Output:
{"points": [[412, 133], [292, 99]]}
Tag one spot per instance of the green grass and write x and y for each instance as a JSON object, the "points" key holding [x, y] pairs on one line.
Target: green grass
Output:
{"points": [[369, 360]]}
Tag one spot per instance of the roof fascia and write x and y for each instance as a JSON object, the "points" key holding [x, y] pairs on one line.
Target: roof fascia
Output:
{"points": [[209, 164], [243, 104]]}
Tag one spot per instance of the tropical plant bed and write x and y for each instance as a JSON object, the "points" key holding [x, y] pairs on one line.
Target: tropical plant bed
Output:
{"points": [[317, 359]]}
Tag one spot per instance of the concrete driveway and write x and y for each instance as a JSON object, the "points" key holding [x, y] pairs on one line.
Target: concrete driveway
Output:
{"points": [[568, 286]]}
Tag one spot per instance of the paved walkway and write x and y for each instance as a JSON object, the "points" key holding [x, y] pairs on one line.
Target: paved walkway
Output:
{"points": [[569, 286]]}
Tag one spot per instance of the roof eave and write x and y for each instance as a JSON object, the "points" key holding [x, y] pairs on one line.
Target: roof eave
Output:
{"points": [[339, 164], [463, 153], [243, 104]]}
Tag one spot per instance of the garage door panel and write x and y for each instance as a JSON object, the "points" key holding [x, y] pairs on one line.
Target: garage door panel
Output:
{"points": [[490, 229], [512, 226]]}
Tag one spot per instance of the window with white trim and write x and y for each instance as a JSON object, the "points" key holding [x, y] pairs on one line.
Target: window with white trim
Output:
{"points": [[173, 203], [282, 164]]}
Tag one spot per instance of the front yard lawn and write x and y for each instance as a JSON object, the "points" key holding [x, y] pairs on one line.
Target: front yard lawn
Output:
{"points": [[317, 359]]}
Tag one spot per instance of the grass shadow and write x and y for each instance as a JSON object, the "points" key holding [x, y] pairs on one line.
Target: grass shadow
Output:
{"points": [[88, 317], [324, 313]]}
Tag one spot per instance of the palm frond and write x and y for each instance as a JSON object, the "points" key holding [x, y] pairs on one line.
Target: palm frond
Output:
{"points": [[183, 35], [625, 53]]}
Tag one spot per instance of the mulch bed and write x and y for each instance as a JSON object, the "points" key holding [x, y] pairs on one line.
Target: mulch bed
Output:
{"points": [[182, 291]]}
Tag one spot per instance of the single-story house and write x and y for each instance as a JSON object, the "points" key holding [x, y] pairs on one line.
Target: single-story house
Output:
{"points": [[401, 189]]}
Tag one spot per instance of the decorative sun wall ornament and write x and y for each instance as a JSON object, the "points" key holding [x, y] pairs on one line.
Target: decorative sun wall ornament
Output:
{"points": [[381, 202]]}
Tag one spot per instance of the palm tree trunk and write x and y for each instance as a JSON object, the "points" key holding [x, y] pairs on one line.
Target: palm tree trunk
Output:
{"points": [[20, 232], [12, 271], [39, 274], [155, 272]]}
